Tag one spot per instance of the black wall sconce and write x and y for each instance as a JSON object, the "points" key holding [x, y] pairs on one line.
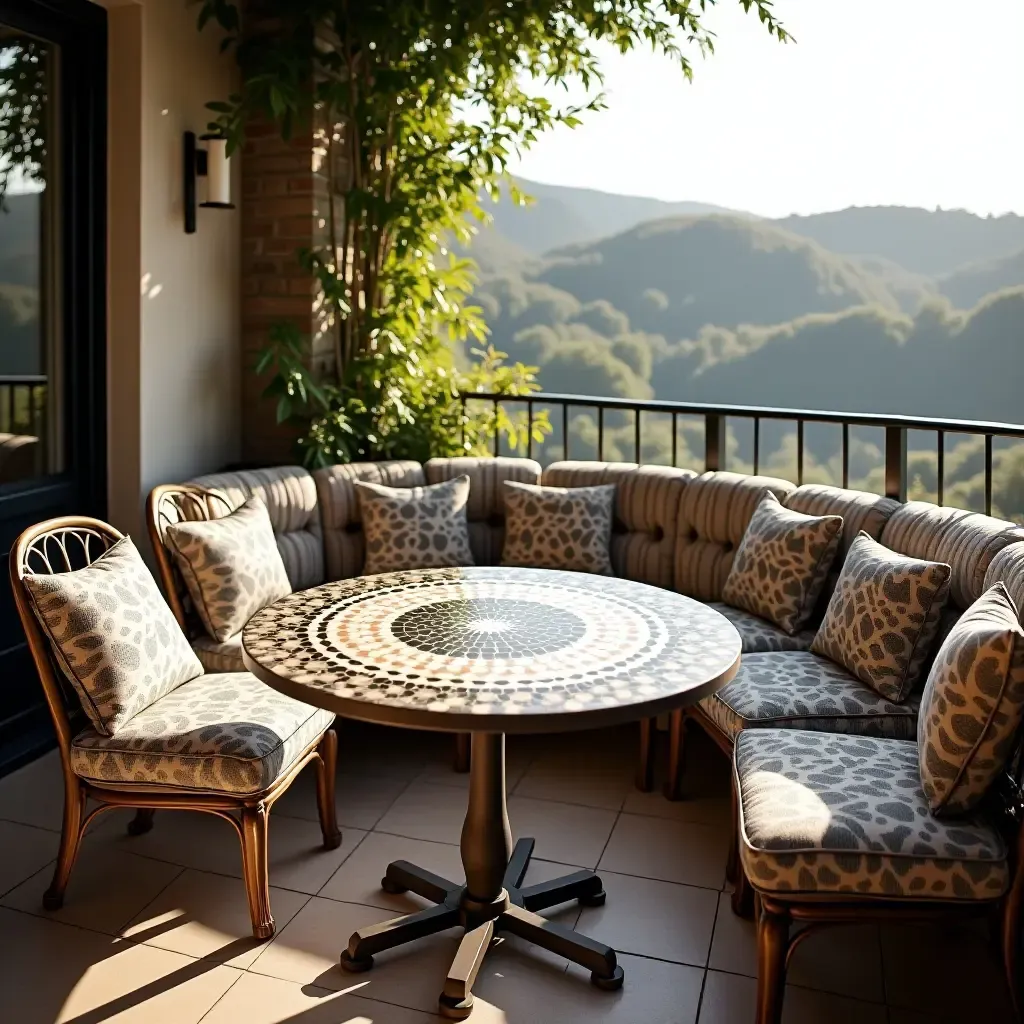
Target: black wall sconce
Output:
{"points": [[212, 163]]}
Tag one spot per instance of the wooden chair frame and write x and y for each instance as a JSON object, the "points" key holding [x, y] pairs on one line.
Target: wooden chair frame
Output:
{"points": [[775, 913], [171, 503], [48, 547]]}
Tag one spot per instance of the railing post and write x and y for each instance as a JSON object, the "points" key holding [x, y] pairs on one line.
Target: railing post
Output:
{"points": [[896, 463], [714, 441]]}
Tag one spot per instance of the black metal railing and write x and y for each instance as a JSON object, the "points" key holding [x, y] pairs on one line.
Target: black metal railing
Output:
{"points": [[22, 403], [876, 452]]}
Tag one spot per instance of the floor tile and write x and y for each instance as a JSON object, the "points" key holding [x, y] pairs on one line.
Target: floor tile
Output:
{"points": [[206, 915], [306, 952], [427, 811], [654, 992], [706, 810], [566, 833], [360, 798], [846, 961], [24, 850], [577, 783], [34, 794], [409, 750], [53, 973], [518, 757], [673, 851], [951, 972], [732, 999], [205, 842], [258, 999], [107, 889], [656, 919]]}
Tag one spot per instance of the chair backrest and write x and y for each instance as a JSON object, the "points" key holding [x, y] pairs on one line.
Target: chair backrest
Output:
{"points": [[54, 546], [175, 503]]}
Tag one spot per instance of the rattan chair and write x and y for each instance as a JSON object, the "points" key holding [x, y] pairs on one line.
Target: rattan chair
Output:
{"points": [[776, 912], [66, 544]]}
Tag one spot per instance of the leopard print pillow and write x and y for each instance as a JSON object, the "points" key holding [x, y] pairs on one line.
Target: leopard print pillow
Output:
{"points": [[973, 704], [113, 635], [415, 527], [884, 617], [559, 527], [231, 566], [782, 564]]}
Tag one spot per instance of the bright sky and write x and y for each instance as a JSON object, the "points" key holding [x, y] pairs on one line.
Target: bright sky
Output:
{"points": [[907, 102]]}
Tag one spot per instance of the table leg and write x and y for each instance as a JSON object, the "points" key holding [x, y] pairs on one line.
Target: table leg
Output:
{"points": [[493, 899]]}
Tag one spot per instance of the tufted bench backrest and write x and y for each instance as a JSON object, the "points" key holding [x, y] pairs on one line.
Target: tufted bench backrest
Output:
{"points": [[713, 516], [486, 508], [1008, 567], [647, 503], [291, 499], [344, 545], [967, 541]]}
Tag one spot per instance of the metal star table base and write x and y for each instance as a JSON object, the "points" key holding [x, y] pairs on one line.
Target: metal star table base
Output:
{"points": [[504, 903]]}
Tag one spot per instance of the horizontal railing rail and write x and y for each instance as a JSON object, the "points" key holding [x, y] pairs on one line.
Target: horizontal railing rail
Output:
{"points": [[717, 420]]}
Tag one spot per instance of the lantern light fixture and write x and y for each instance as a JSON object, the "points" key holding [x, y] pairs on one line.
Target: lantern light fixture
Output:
{"points": [[212, 163]]}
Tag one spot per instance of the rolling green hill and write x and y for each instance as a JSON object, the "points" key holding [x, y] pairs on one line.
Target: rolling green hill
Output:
{"points": [[970, 284]]}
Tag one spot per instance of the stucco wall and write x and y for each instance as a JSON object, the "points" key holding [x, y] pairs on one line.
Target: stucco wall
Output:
{"points": [[174, 299]]}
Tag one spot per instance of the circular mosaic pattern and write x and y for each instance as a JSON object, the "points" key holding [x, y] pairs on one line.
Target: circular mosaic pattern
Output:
{"points": [[488, 627], [488, 642]]}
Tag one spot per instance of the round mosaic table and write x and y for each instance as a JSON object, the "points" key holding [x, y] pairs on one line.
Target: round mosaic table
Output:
{"points": [[490, 651]]}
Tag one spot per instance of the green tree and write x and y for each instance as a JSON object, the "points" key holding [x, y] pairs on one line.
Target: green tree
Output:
{"points": [[425, 104]]}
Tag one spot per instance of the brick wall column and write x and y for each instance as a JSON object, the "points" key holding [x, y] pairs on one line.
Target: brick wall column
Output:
{"points": [[284, 209]]}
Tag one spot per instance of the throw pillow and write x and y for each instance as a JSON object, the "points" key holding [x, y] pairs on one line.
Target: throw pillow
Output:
{"points": [[782, 564], [559, 527], [415, 527], [883, 619], [231, 566], [973, 704], [113, 635]]}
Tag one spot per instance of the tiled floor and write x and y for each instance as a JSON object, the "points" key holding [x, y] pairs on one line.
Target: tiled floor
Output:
{"points": [[155, 930]]}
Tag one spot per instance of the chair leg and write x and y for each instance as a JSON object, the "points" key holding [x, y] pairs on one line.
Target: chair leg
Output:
{"points": [[743, 896], [70, 841], [142, 822], [645, 764], [732, 860], [326, 774], [1012, 938], [461, 764], [772, 943], [676, 736], [255, 825]]}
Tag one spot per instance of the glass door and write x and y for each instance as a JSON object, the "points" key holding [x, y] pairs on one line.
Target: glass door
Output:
{"points": [[52, 301]]}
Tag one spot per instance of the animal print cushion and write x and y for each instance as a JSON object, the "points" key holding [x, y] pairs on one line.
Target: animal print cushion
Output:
{"points": [[800, 690], [231, 566], [846, 814], [559, 527], [222, 733], [782, 564], [758, 635], [884, 617], [973, 704], [113, 635], [415, 527]]}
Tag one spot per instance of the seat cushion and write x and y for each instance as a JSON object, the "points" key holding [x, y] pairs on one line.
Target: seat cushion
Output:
{"points": [[826, 813], [566, 528], [800, 690], [220, 655], [884, 618], [415, 527], [973, 704], [113, 635], [231, 566], [782, 564], [759, 635], [220, 733]]}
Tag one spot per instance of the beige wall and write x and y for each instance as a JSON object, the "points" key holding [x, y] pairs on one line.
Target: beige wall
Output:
{"points": [[174, 299]]}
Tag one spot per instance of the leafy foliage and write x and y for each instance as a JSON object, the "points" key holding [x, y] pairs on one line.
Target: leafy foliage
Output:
{"points": [[418, 107], [23, 110]]}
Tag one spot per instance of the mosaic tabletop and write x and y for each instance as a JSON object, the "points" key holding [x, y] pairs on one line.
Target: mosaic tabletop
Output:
{"points": [[503, 649]]}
